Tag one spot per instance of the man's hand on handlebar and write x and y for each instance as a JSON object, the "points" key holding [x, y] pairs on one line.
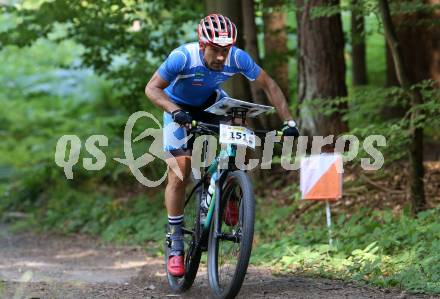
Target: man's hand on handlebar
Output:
{"points": [[290, 129], [182, 117]]}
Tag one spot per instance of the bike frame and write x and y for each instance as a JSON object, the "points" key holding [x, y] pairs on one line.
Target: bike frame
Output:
{"points": [[227, 155]]}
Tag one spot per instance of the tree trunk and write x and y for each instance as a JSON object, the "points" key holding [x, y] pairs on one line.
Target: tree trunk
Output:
{"points": [[321, 67], [391, 79], [237, 86], [251, 46], [275, 44], [434, 44], [358, 55], [418, 44], [418, 199]]}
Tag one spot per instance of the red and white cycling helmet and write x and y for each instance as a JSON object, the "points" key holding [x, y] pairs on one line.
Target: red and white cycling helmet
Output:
{"points": [[217, 30]]}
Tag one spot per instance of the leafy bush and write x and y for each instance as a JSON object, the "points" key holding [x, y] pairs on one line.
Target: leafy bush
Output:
{"points": [[129, 220], [373, 247]]}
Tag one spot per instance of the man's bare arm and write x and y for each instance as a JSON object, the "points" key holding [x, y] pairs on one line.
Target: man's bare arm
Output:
{"points": [[274, 94], [154, 91]]}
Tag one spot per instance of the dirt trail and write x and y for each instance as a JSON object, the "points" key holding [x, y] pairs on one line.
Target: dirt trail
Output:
{"points": [[50, 266]]}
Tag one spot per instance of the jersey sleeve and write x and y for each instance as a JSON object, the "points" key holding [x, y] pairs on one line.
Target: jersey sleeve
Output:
{"points": [[172, 66], [247, 65]]}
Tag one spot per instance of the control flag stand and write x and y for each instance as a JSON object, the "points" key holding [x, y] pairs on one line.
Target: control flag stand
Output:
{"points": [[329, 222], [321, 179]]}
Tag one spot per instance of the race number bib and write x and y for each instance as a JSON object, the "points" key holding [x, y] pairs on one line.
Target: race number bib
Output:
{"points": [[237, 135]]}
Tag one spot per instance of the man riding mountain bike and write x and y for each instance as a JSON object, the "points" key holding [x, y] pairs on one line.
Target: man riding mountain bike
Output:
{"points": [[188, 82]]}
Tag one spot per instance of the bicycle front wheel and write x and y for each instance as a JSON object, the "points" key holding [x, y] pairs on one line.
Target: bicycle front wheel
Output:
{"points": [[229, 250]]}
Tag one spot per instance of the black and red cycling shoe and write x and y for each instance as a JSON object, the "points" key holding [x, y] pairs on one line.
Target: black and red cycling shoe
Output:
{"points": [[176, 265]]}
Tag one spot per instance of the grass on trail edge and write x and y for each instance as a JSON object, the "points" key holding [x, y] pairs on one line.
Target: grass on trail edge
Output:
{"points": [[373, 247]]}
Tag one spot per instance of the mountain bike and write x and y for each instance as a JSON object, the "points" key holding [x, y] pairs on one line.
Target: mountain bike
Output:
{"points": [[227, 236]]}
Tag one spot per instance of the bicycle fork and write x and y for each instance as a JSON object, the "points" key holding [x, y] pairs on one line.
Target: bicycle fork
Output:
{"points": [[214, 205]]}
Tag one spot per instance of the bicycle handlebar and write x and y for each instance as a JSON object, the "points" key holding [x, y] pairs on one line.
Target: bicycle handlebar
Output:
{"points": [[202, 125]]}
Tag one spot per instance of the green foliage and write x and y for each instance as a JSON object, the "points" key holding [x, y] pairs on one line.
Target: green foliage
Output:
{"points": [[112, 44], [374, 247], [375, 50], [371, 7], [129, 220], [366, 115], [44, 98], [414, 6]]}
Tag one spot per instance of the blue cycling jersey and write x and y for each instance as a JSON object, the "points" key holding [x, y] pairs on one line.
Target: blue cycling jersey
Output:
{"points": [[191, 82]]}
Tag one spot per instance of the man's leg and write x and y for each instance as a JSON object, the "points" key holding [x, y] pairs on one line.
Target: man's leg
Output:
{"points": [[174, 202], [175, 189]]}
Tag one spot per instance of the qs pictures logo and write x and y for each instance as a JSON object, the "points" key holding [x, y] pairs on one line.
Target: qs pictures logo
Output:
{"points": [[68, 150]]}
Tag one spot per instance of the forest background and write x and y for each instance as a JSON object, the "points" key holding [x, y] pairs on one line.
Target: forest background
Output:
{"points": [[356, 67]]}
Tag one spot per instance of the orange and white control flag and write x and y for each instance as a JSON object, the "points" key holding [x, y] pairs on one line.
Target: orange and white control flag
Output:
{"points": [[321, 177]]}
